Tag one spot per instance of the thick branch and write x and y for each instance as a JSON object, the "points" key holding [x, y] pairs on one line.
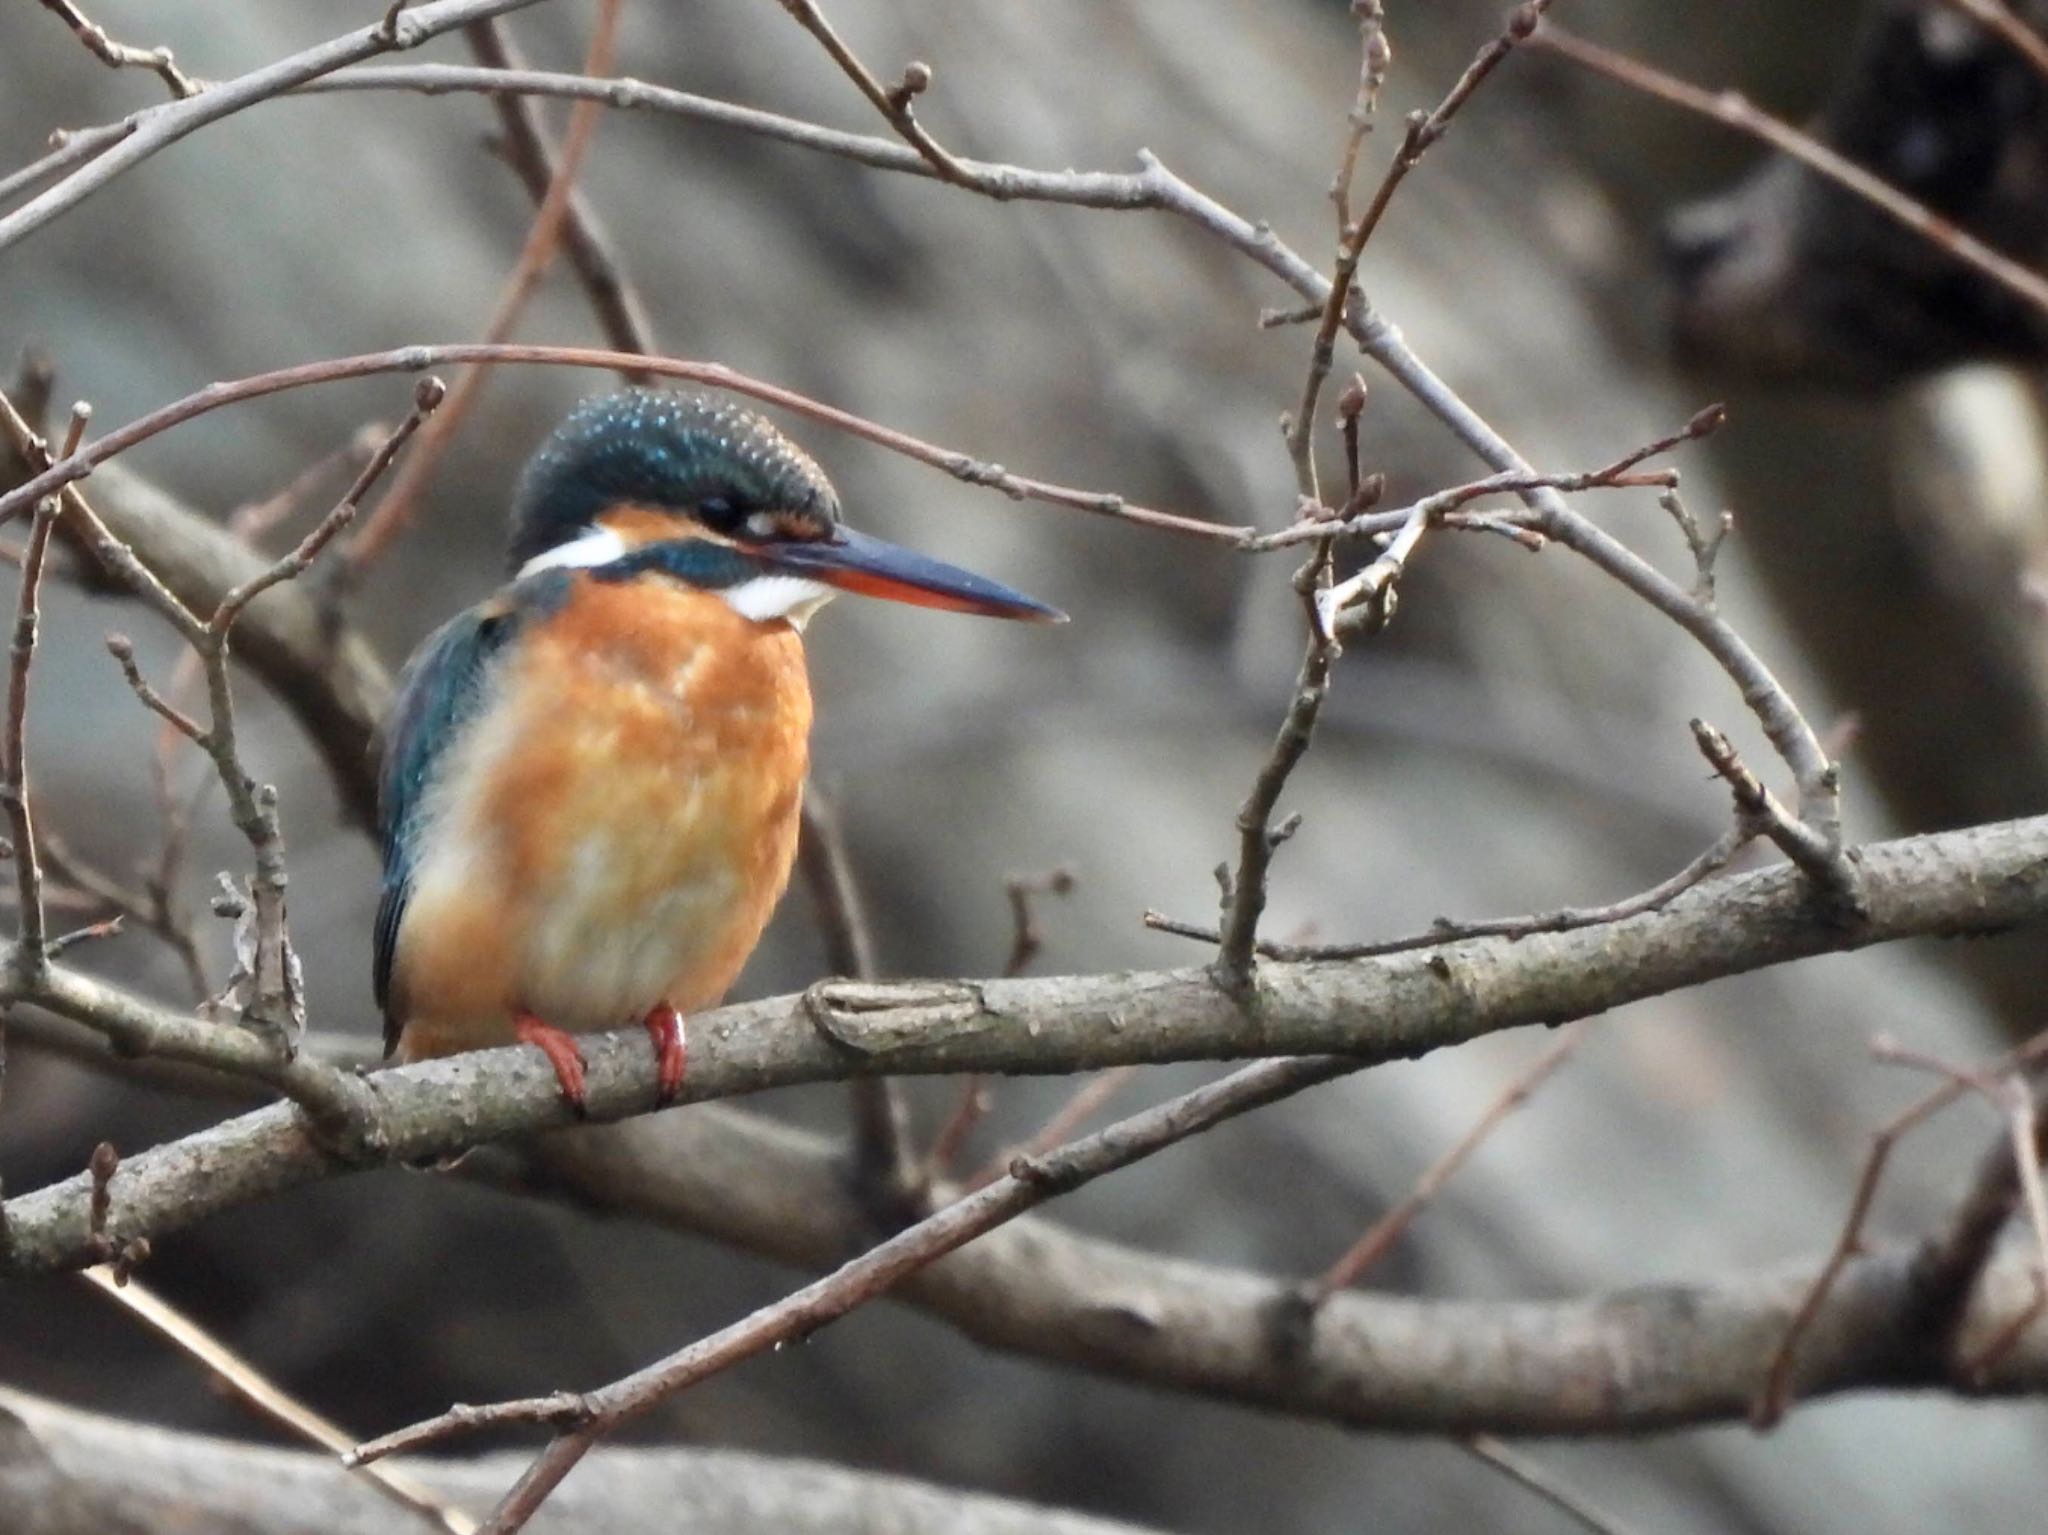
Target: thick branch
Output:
{"points": [[66, 1472], [1032, 1180], [1980, 880], [1637, 1360]]}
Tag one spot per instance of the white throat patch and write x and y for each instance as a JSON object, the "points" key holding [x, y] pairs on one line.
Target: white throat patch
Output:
{"points": [[769, 597], [598, 546]]}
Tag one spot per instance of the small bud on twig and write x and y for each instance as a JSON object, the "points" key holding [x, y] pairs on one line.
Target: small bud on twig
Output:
{"points": [[1705, 422], [917, 79]]}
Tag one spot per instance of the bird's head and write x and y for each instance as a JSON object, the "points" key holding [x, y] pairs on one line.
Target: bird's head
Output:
{"points": [[650, 481]]}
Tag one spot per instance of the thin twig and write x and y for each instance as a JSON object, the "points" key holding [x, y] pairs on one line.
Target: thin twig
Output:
{"points": [[1756, 807], [419, 359], [975, 1098], [30, 940], [92, 932], [1375, 59], [1998, 18], [1081, 1105], [148, 908], [885, 1168], [587, 1418], [1948, 1266], [893, 104], [269, 996], [1094, 189], [526, 147], [122, 649], [248, 524], [31, 945], [1704, 544], [395, 509], [256, 1389], [1244, 891], [1733, 110], [1025, 937], [31, 952], [1619, 475], [124, 55], [92, 158], [427, 398], [1423, 131], [1709, 862], [1525, 1473], [1379, 1238], [253, 521]]}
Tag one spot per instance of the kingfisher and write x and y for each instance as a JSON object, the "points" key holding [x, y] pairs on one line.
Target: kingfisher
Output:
{"points": [[591, 781]]}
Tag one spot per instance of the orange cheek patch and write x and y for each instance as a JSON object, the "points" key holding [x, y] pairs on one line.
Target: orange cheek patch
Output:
{"points": [[638, 525]]}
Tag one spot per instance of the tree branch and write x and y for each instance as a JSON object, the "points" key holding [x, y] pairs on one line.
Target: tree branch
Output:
{"points": [[1980, 880], [1639, 1360], [1031, 1182], [123, 55], [526, 147], [395, 508], [1154, 187], [329, 679], [141, 134], [416, 359], [66, 1472], [1733, 110]]}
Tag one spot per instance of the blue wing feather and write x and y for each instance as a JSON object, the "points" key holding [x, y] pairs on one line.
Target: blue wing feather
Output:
{"points": [[438, 695]]}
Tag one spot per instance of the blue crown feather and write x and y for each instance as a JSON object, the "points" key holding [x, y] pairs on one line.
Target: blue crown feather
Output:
{"points": [[656, 447]]}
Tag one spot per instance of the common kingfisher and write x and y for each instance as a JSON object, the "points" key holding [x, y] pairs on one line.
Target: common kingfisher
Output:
{"points": [[591, 781]]}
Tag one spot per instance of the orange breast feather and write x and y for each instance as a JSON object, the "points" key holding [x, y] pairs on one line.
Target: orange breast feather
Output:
{"points": [[617, 826]]}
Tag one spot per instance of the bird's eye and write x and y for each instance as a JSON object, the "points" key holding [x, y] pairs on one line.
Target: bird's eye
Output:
{"points": [[714, 509]]}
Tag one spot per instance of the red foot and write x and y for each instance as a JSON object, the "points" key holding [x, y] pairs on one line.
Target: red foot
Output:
{"points": [[665, 1028], [561, 1052]]}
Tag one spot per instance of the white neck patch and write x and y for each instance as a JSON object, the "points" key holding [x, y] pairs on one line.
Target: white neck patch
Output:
{"points": [[597, 546], [770, 597]]}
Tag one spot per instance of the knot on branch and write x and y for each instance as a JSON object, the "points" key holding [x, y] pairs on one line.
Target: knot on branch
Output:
{"points": [[1051, 1175], [871, 1018]]}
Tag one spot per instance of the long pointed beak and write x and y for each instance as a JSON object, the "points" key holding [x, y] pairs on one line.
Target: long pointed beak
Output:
{"points": [[873, 567]]}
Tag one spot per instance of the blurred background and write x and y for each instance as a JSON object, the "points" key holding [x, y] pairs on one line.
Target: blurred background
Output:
{"points": [[1515, 741]]}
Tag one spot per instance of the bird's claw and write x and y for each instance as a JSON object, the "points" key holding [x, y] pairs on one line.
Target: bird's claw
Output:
{"points": [[562, 1054], [671, 1051]]}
